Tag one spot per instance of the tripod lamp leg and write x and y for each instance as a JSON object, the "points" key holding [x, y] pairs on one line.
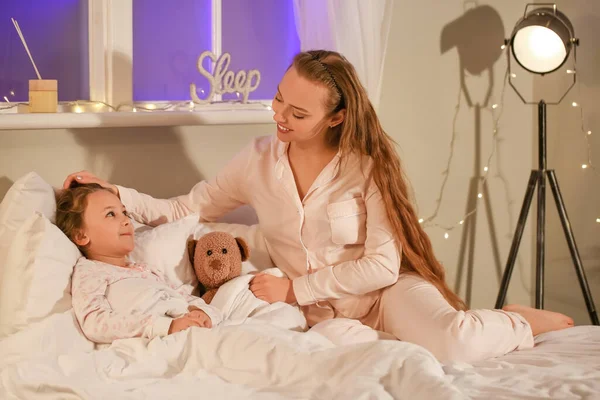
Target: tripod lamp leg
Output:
{"points": [[512, 256], [564, 219]]}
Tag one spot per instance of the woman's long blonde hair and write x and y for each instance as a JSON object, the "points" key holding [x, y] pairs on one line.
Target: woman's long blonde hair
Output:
{"points": [[361, 133]]}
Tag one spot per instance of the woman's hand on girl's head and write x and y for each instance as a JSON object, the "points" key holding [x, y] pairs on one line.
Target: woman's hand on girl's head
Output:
{"points": [[88, 177], [272, 289]]}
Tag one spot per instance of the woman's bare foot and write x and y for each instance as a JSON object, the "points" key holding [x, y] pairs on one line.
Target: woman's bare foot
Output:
{"points": [[541, 321]]}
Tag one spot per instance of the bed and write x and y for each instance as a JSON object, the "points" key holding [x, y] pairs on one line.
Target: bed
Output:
{"points": [[44, 355]]}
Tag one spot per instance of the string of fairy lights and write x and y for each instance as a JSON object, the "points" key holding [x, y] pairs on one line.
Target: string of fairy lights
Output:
{"points": [[82, 106], [496, 110]]}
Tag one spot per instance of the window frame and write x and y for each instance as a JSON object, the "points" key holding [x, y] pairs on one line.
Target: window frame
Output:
{"points": [[110, 43], [110, 33]]}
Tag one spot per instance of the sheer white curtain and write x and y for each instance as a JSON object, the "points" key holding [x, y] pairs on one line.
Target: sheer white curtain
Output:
{"points": [[358, 29]]}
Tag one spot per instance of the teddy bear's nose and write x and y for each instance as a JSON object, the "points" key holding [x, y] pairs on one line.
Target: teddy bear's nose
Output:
{"points": [[215, 264]]}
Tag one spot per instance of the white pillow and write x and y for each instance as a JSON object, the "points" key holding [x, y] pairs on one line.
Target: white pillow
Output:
{"points": [[164, 248], [37, 275], [29, 194]]}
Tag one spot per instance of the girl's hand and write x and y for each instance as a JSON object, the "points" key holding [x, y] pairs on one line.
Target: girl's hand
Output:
{"points": [[181, 324], [200, 316], [88, 177], [194, 318], [272, 289]]}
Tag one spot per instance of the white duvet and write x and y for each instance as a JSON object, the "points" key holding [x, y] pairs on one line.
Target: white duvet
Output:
{"points": [[249, 361], [260, 351], [251, 358], [237, 303]]}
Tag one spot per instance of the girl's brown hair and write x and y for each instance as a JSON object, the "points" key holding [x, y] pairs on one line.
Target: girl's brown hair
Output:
{"points": [[70, 207], [361, 133]]}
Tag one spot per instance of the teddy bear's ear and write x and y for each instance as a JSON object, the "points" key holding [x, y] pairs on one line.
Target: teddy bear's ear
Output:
{"points": [[191, 248], [243, 248]]}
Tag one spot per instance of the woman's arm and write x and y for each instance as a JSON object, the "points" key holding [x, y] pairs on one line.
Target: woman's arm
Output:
{"points": [[210, 199], [377, 268]]}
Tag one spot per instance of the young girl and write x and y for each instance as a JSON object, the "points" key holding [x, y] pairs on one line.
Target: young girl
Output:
{"points": [[113, 298], [335, 213]]}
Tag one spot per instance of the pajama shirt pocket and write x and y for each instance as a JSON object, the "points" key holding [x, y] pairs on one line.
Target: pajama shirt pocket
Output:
{"points": [[348, 220]]}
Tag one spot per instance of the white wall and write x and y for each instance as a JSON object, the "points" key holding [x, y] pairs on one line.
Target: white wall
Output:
{"points": [[161, 161], [567, 150], [421, 88], [420, 97]]}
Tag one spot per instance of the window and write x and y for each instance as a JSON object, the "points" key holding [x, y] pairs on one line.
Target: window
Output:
{"points": [[260, 35], [169, 36], [56, 32], [152, 46]]}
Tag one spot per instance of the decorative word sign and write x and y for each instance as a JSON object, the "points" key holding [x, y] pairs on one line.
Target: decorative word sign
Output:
{"points": [[223, 81]]}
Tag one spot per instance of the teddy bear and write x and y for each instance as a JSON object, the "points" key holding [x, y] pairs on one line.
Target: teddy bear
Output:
{"points": [[217, 258]]}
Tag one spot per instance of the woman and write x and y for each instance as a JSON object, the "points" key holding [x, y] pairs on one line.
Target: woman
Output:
{"points": [[335, 213]]}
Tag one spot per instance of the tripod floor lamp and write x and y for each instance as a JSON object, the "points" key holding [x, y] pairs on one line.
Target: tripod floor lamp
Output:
{"points": [[541, 42]]}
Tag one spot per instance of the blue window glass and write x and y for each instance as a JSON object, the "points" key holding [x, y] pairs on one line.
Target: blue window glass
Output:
{"points": [[260, 35], [169, 36], [57, 35]]}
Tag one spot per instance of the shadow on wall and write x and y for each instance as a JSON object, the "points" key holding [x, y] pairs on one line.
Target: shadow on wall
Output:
{"points": [[5, 184], [152, 160], [477, 36], [588, 56]]}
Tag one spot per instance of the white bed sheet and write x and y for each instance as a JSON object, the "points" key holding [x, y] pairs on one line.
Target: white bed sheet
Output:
{"points": [[258, 361], [562, 365]]}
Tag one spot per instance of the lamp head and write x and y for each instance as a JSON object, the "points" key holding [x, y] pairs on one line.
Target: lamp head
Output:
{"points": [[542, 40]]}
